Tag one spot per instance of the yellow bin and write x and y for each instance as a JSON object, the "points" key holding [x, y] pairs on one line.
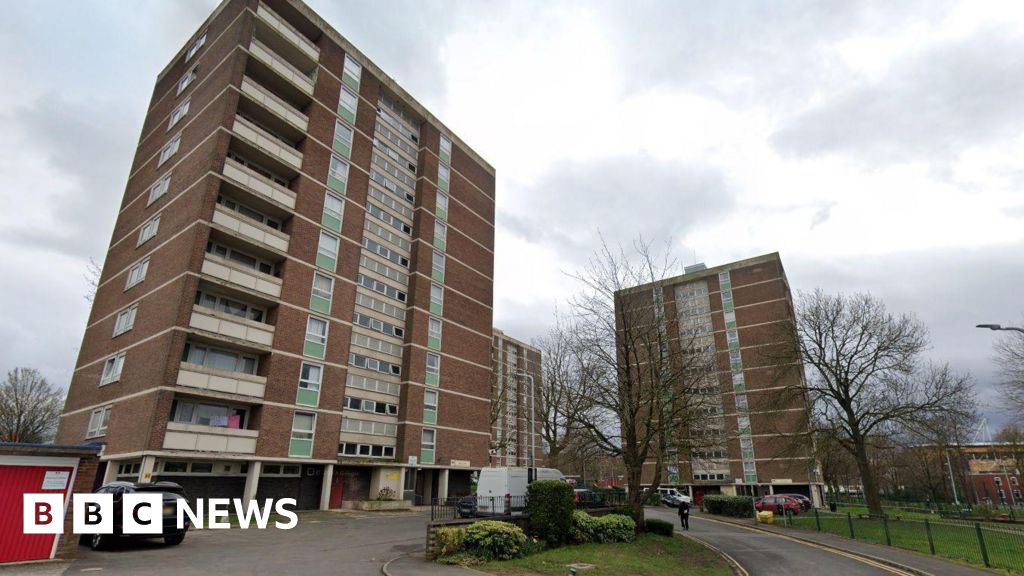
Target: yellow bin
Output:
{"points": [[766, 517]]}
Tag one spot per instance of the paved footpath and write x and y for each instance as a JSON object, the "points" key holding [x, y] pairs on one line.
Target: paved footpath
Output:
{"points": [[771, 551]]}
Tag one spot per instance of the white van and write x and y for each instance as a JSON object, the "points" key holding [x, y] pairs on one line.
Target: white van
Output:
{"points": [[503, 490]]}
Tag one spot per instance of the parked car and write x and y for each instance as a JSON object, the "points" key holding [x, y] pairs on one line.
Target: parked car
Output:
{"points": [[586, 498], [672, 497], [778, 504], [466, 506], [170, 533], [805, 502]]}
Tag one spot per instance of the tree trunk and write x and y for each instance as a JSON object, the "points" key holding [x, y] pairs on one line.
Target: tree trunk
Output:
{"points": [[636, 494], [867, 478]]}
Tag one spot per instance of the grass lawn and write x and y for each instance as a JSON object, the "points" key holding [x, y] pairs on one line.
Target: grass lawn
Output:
{"points": [[955, 540], [650, 555]]}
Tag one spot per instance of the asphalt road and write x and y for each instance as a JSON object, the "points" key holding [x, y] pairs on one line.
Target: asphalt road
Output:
{"points": [[764, 554], [322, 543]]}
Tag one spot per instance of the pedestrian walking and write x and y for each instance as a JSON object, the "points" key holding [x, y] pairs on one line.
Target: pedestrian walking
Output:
{"points": [[684, 514]]}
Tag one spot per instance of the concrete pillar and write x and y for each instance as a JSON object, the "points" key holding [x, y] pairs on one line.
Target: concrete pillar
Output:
{"points": [[442, 485], [401, 483], [325, 488], [252, 480], [111, 473], [146, 470], [771, 489]]}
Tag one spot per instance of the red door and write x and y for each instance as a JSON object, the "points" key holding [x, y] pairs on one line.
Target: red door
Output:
{"points": [[15, 481], [337, 487]]}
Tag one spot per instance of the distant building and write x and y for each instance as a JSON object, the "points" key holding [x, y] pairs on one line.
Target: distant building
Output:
{"points": [[731, 314], [992, 473], [516, 429], [297, 296]]}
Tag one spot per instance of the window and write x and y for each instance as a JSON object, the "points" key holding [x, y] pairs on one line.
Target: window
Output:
{"points": [[281, 470], [353, 68], [377, 325], [316, 330], [169, 150], [436, 298], [360, 361], [323, 286], [438, 265], [446, 148], [998, 481], [137, 273], [442, 201], [329, 246], [368, 427], [348, 100], [338, 169], [371, 450], [1014, 481], [434, 328], [227, 305], [342, 132], [195, 46], [208, 414], [303, 426], [149, 229], [443, 173], [248, 212], [125, 320], [440, 232], [220, 359], [310, 378], [430, 407], [240, 257], [98, 422], [187, 79], [428, 445], [112, 369], [433, 363], [381, 287], [156, 191], [178, 113], [334, 206]]}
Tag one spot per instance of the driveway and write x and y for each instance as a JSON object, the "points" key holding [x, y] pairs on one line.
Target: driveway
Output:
{"points": [[323, 543], [765, 554]]}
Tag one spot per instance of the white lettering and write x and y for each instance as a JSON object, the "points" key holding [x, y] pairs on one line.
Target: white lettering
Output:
{"points": [[251, 510], [218, 509], [194, 516], [282, 511]]}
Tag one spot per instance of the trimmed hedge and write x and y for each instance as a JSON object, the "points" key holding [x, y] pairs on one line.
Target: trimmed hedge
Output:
{"points": [[550, 506], [584, 526], [495, 540], [449, 540], [660, 527], [735, 506], [603, 529]]}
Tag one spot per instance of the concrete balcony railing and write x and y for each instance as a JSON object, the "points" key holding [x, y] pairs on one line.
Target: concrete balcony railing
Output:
{"points": [[231, 326], [282, 67], [267, 143], [257, 184], [249, 229], [235, 273], [199, 438], [275, 104], [288, 32], [203, 378]]}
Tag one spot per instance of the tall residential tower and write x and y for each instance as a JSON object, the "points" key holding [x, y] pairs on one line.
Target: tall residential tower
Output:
{"points": [[296, 300]]}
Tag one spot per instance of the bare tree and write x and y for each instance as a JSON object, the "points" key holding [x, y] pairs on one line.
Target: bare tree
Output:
{"points": [[1010, 358], [865, 376], [29, 407], [93, 273], [1013, 436], [642, 395], [565, 375]]}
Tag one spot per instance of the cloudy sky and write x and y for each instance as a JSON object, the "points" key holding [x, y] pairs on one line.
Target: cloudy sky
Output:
{"points": [[878, 146]]}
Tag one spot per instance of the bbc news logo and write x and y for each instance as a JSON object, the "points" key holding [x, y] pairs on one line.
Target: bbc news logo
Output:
{"points": [[145, 513]]}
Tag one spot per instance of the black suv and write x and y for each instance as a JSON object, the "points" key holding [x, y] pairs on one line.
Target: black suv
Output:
{"points": [[171, 494]]}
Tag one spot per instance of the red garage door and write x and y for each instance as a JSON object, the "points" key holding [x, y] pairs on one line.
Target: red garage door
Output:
{"points": [[16, 480]]}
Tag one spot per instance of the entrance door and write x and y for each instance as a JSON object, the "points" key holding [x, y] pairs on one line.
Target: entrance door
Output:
{"points": [[17, 480], [337, 487]]}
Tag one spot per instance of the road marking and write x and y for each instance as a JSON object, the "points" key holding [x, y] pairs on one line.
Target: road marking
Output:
{"points": [[738, 567], [851, 556]]}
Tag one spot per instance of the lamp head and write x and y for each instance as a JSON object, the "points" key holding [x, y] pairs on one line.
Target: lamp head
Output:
{"points": [[989, 326]]}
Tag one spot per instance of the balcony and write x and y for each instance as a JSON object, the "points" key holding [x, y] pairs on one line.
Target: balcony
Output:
{"points": [[273, 70], [213, 380], [258, 185], [263, 236], [271, 26], [231, 326], [199, 438], [272, 110], [243, 276], [269, 146]]}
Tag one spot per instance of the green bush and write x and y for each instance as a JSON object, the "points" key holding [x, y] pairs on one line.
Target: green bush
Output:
{"points": [[550, 507], [735, 506], [584, 527], [982, 511], [660, 527], [652, 498], [615, 528], [495, 540], [449, 540]]}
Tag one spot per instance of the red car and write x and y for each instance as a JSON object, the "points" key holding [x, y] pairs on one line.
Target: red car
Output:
{"points": [[778, 504]]}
